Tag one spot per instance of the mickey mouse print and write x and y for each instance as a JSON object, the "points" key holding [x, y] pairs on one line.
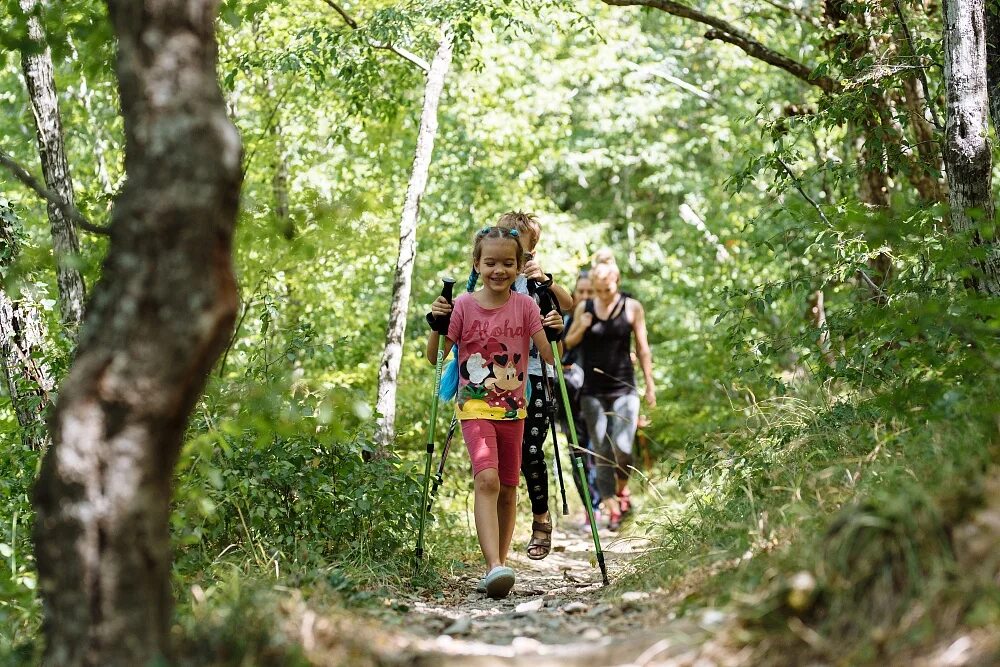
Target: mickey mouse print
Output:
{"points": [[493, 356]]}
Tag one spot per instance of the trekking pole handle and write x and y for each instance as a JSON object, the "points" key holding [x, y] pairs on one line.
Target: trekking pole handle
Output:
{"points": [[440, 324], [546, 304]]}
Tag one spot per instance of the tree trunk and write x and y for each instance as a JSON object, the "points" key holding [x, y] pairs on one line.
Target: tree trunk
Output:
{"points": [[279, 186], [392, 356], [967, 147], [993, 60], [22, 332], [40, 80], [158, 319], [817, 317]]}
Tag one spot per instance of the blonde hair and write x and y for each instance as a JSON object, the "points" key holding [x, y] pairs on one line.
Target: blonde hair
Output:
{"points": [[525, 223], [604, 263]]}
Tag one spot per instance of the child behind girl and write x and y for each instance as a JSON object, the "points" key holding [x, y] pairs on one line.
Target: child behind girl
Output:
{"points": [[493, 328], [533, 466]]}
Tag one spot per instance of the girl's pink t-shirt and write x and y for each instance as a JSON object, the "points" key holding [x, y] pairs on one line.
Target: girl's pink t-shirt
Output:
{"points": [[493, 355]]}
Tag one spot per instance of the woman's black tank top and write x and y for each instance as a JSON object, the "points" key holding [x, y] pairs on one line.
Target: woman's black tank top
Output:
{"points": [[607, 364]]}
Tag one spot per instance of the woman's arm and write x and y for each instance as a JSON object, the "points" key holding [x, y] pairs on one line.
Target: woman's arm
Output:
{"points": [[642, 349], [581, 322]]}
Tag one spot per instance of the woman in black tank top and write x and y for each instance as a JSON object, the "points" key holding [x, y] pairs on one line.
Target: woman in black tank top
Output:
{"points": [[603, 328]]}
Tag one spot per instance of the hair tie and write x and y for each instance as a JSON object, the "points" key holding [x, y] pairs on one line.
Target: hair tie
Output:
{"points": [[485, 230], [513, 233]]}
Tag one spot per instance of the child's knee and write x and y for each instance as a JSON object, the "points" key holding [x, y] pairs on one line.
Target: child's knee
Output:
{"points": [[508, 493], [488, 481]]}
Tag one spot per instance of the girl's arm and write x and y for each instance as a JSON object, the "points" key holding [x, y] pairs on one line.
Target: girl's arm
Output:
{"points": [[544, 347], [642, 349], [432, 347], [553, 321], [439, 308], [581, 322]]}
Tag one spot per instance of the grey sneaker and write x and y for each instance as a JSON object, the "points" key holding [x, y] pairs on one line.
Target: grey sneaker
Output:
{"points": [[498, 582]]}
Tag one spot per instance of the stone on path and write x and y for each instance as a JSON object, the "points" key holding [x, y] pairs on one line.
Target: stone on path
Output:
{"points": [[575, 608], [601, 610], [461, 626], [533, 605], [634, 596]]}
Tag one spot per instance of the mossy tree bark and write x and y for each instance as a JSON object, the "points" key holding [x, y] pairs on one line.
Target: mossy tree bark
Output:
{"points": [[22, 333], [967, 152], [158, 319]]}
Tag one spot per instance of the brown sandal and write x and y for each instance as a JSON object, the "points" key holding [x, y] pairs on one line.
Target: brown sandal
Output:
{"points": [[539, 547]]}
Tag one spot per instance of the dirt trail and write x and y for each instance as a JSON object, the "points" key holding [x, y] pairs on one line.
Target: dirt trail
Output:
{"points": [[557, 614]]}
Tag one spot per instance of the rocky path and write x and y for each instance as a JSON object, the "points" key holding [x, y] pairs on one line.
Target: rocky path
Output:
{"points": [[557, 614]]}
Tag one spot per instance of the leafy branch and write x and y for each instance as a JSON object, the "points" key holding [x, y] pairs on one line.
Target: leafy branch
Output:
{"points": [[399, 51], [725, 31], [70, 211]]}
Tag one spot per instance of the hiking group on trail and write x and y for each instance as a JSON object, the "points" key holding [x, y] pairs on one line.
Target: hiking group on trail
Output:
{"points": [[505, 338]]}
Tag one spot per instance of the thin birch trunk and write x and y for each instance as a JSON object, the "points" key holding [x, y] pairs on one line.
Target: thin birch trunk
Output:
{"points": [[22, 334], [392, 356], [817, 316], [967, 147], [158, 319], [40, 80]]}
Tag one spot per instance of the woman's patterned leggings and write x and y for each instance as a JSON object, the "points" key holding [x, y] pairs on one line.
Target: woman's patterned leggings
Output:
{"points": [[536, 475], [611, 424]]}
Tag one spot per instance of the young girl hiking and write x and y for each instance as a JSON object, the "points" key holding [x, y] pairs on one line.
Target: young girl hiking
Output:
{"points": [[493, 328], [533, 467]]}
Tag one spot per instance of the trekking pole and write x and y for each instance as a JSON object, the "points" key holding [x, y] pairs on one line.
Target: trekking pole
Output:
{"points": [[554, 415], [550, 401], [470, 286], [441, 326], [545, 302], [577, 457], [439, 477]]}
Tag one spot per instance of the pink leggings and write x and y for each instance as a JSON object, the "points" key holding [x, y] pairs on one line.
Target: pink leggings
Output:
{"points": [[494, 443]]}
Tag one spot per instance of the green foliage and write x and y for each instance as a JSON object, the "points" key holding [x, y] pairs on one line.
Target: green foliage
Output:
{"points": [[19, 606], [234, 624], [730, 192], [272, 468]]}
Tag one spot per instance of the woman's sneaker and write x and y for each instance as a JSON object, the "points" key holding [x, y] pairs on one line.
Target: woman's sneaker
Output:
{"points": [[625, 501], [498, 582], [585, 521]]}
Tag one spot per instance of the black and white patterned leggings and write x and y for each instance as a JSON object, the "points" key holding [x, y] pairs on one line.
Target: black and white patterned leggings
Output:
{"points": [[536, 475]]}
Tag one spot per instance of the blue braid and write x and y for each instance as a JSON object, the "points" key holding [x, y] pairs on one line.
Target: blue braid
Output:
{"points": [[473, 279]]}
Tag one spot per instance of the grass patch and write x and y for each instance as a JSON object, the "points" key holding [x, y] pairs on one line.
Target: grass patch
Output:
{"points": [[828, 523]]}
